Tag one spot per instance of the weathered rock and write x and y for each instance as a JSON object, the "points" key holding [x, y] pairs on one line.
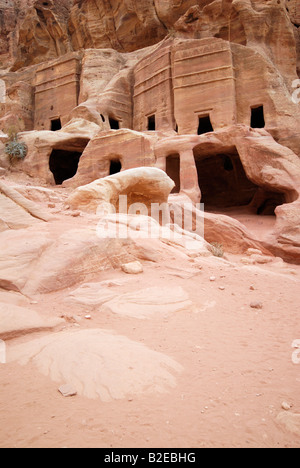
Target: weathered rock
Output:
{"points": [[290, 421], [92, 294], [130, 150], [16, 210], [147, 302], [18, 256], [221, 229], [286, 406], [42, 32], [141, 186], [165, 84], [147, 234], [87, 361], [74, 257], [13, 216], [117, 25], [134, 268], [16, 321], [67, 390]]}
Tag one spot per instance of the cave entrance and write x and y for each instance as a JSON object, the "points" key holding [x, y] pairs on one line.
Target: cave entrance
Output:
{"points": [[257, 117], [64, 164], [173, 170], [225, 186], [56, 125], [205, 125], [115, 166]]}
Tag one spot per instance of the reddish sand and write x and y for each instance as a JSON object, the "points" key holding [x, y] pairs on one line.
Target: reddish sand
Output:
{"points": [[237, 371], [237, 366]]}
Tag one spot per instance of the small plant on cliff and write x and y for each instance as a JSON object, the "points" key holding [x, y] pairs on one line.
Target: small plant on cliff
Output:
{"points": [[14, 148], [217, 249]]}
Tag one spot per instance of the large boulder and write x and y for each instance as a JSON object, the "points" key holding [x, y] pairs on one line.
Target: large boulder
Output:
{"points": [[145, 185]]}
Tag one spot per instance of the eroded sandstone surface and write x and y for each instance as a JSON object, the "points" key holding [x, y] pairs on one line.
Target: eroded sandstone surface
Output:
{"points": [[150, 226]]}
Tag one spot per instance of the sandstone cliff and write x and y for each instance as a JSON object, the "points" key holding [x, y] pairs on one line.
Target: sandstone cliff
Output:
{"points": [[98, 86], [33, 31]]}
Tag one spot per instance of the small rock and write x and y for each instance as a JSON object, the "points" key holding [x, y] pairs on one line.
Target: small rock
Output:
{"points": [[88, 317], [253, 252], [262, 259], [51, 205], [212, 278], [67, 390], [247, 261], [222, 288], [256, 305], [134, 268], [252, 288], [286, 406]]}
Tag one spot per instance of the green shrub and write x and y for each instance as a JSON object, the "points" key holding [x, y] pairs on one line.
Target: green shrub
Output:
{"points": [[217, 249], [16, 149]]}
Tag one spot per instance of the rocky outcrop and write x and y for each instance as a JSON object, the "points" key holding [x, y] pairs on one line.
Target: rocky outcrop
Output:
{"points": [[121, 25], [145, 186], [17, 321], [42, 32], [34, 31], [8, 19]]}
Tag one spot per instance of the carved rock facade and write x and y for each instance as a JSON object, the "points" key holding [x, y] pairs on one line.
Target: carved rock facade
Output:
{"points": [[202, 90]]}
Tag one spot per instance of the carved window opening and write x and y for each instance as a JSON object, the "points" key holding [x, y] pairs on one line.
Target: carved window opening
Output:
{"points": [[115, 166], [114, 124], [173, 170], [151, 123], [258, 117], [205, 125], [56, 125]]}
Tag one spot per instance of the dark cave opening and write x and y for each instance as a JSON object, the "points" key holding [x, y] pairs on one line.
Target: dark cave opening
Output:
{"points": [[64, 164], [224, 185]]}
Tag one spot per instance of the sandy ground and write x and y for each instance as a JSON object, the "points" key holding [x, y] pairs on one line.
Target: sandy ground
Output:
{"points": [[237, 366]]}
